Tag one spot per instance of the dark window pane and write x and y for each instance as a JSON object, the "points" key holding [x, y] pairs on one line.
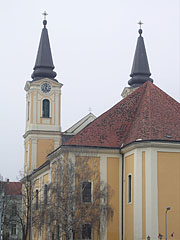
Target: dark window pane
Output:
{"points": [[46, 108], [129, 188], [13, 229], [86, 191], [14, 210], [36, 199], [52, 236], [86, 231], [45, 194], [58, 232]]}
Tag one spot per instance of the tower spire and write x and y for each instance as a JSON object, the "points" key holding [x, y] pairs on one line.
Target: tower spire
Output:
{"points": [[140, 72], [44, 64]]}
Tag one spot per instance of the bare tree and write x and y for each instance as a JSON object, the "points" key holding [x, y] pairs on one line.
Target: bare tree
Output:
{"points": [[76, 202], [25, 217], [25, 214]]}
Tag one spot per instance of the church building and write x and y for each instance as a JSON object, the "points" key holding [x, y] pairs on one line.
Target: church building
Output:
{"points": [[136, 144]]}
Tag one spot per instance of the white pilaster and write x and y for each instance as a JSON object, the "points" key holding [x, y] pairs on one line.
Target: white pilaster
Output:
{"points": [[151, 194], [34, 107], [56, 144], [34, 153], [57, 108], [52, 112], [38, 110]]}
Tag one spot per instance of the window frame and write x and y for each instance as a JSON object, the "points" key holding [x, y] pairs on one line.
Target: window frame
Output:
{"points": [[45, 194], [13, 229], [37, 199], [82, 232], [91, 197], [43, 115], [14, 210], [129, 188]]}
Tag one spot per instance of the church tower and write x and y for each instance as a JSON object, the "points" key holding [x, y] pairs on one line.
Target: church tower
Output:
{"points": [[43, 104], [140, 72]]}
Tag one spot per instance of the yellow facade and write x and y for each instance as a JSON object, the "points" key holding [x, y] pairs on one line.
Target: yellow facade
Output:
{"points": [[169, 192], [44, 147], [129, 207], [113, 181]]}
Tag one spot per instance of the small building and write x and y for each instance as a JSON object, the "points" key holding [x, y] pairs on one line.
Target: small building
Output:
{"points": [[11, 210]]}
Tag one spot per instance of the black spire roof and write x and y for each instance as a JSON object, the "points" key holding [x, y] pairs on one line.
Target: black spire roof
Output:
{"points": [[44, 64], [140, 72]]}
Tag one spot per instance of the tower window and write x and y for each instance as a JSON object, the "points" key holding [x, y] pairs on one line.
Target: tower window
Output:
{"points": [[45, 108], [86, 191], [129, 189], [86, 231]]}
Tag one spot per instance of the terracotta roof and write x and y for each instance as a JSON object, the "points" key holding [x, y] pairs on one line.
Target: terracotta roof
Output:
{"points": [[13, 188], [148, 114]]}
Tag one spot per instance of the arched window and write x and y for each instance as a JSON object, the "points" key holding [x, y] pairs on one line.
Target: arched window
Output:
{"points": [[45, 108]]}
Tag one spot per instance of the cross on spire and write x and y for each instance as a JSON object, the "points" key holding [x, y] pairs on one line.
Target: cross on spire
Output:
{"points": [[140, 23], [44, 14]]}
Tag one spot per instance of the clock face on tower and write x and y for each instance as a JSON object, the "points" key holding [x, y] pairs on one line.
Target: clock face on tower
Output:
{"points": [[46, 87]]}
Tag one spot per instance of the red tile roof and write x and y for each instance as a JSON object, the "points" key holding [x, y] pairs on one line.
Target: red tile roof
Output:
{"points": [[13, 188], [148, 114]]}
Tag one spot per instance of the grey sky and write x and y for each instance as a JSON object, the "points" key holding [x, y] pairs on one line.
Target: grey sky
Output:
{"points": [[93, 44]]}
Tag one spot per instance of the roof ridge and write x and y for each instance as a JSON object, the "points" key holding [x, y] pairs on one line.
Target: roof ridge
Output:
{"points": [[138, 107], [84, 120]]}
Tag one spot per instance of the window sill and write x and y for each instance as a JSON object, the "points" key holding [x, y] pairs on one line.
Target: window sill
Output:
{"points": [[46, 117]]}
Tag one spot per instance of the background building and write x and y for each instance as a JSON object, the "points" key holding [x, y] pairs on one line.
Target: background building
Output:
{"points": [[10, 210]]}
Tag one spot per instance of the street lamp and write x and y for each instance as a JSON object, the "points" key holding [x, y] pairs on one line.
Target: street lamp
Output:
{"points": [[167, 209]]}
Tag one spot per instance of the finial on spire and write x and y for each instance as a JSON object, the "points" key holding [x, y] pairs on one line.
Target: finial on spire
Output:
{"points": [[44, 63], [45, 15], [140, 27], [140, 72]]}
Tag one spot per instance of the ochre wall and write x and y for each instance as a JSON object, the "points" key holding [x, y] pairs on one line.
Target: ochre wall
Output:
{"points": [[44, 147], [129, 207], [169, 192], [113, 181], [94, 164]]}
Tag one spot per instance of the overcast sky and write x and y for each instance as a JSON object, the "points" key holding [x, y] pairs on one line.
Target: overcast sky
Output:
{"points": [[93, 44]]}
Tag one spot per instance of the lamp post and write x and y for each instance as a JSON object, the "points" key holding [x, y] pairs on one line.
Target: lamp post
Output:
{"points": [[167, 209]]}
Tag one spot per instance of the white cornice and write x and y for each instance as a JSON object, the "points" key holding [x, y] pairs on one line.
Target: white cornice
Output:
{"points": [[82, 150], [143, 144]]}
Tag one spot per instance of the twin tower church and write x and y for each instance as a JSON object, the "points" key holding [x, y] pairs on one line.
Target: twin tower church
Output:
{"points": [[136, 145]]}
